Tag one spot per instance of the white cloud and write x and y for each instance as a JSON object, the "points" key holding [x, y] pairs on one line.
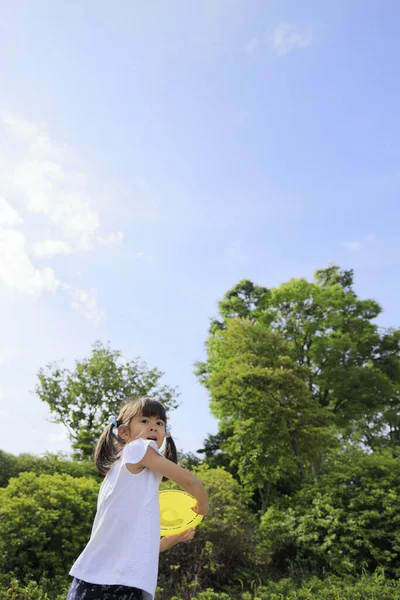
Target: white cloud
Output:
{"points": [[36, 175], [115, 237], [144, 256], [288, 37], [38, 171], [49, 248], [85, 302], [16, 268], [352, 245], [47, 189], [31, 136], [8, 215], [19, 274], [356, 246]]}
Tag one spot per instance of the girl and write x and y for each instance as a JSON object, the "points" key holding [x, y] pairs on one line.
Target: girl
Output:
{"points": [[121, 557]]}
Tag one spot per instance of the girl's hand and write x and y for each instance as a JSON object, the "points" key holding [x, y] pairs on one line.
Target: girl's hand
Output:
{"points": [[185, 536], [172, 540], [200, 509]]}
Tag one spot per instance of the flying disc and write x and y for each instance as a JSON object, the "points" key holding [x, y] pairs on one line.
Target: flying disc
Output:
{"points": [[176, 514]]}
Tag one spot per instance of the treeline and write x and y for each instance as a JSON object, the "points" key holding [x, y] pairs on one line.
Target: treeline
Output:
{"points": [[303, 474]]}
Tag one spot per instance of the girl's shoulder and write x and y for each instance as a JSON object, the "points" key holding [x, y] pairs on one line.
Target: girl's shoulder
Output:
{"points": [[121, 472], [135, 451]]}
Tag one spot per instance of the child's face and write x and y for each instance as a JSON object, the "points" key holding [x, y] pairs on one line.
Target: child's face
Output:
{"points": [[147, 428]]}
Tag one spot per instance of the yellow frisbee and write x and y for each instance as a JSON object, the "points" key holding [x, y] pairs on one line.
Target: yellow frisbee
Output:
{"points": [[176, 514]]}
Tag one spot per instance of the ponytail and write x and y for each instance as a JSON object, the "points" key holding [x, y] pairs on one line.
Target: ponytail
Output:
{"points": [[170, 452], [107, 450]]}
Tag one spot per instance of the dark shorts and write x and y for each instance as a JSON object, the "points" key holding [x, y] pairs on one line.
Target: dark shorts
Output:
{"points": [[80, 590]]}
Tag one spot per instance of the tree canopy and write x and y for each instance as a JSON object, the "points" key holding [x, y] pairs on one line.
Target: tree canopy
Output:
{"points": [[84, 398], [289, 368]]}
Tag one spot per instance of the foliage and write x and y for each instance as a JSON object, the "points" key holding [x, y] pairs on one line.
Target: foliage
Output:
{"points": [[214, 455], [353, 366], [261, 396], [343, 523], [303, 473], [11, 466], [220, 553], [367, 587], [45, 521], [12, 589], [188, 460], [208, 594], [83, 399]]}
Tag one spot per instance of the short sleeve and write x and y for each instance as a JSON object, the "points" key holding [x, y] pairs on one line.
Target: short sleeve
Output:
{"points": [[134, 451]]}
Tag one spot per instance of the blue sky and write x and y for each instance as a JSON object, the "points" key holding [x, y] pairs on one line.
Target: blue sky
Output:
{"points": [[152, 154]]}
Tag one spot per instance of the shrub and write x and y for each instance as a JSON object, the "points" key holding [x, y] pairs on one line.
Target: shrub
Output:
{"points": [[12, 589], [45, 521], [220, 555], [345, 522], [51, 464]]}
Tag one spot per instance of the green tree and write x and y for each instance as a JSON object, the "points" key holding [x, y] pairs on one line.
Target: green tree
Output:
{"points": [[8, 467], [353, 365], [45, 522], [260, 393], [188, 460], [83, 399], [345, 522], [214, 455]]}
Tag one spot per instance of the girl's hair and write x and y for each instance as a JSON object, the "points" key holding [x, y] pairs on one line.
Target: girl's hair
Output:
{"points": [[110, 445]]}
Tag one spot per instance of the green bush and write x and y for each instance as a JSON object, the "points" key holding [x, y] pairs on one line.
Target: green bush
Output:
{"points": [[371, 587], [12, 589], [220, 555], [45, 521], [368, 587], [346, 522], [51, 464], [209, 595]]}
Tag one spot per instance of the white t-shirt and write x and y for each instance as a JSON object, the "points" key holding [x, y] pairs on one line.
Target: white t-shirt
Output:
{"points": [[124, 545]]}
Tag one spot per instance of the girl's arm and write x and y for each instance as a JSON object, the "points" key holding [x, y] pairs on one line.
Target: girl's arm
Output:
{"points": [[189, 482]]}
